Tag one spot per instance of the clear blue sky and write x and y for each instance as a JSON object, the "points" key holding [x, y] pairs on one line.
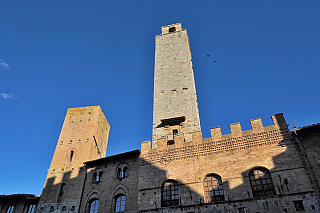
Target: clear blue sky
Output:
{"points": [[56, 55]]}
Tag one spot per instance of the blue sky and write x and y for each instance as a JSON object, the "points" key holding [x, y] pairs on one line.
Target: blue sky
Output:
{"points": [[56, 55]]}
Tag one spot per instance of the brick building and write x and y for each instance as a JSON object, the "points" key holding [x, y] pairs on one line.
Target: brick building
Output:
{"points": [[265, 169]]}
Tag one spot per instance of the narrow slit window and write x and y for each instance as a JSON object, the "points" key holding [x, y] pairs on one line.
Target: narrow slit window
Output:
{"points": [[62, 189], [71, 155], [96, 177], [125, 172]]}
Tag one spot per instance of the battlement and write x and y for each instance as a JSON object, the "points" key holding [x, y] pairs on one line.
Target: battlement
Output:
{"points": [[256, 124], [171, 28], [238, 139]]}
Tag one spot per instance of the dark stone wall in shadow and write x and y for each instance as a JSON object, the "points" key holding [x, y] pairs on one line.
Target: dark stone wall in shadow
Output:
{"points": [[112, 185], [54, 200], [19, 202]]}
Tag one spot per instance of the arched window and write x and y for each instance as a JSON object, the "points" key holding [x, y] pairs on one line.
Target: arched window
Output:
{"points": [[100, 176], [125, 172], [170, 193], [94, 205], [10, 209], [122, 171], [261, 182], [97, 177], [31, 208], [61, 192], [213, 190], [120, 203]]}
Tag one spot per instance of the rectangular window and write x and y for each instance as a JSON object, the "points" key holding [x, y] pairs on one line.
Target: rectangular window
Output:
{"points": [[299, 205]]}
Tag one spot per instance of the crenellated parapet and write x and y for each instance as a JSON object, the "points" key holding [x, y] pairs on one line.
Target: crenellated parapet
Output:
{"points": [[257, 127], [218, 143]]}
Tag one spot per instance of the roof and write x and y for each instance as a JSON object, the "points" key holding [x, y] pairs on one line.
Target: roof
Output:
{"points": [[309, 126], [307, 130], [20, 196], [133, 153]]}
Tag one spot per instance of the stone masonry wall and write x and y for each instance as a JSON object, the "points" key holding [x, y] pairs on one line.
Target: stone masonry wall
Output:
{"points": [[85, 133], [230, 156], [174, 87]]}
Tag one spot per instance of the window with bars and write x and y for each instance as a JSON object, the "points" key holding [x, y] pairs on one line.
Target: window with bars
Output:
{"points": [[261, 182], [120, 203], [94, 205], [213, 190], [170, 193]]}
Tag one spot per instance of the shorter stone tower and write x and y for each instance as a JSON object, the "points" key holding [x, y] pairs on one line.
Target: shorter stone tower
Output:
{"points": [[84, 137]]}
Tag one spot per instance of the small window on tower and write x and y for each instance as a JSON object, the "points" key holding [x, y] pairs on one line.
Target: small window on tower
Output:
{"points": [[175, 132], [172, 29], [170, 142], [63, 186], [62, 190], [71, 155]]}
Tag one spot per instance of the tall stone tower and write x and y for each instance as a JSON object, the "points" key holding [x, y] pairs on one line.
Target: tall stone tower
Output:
{"points": [[84, 137], [175, 107]]}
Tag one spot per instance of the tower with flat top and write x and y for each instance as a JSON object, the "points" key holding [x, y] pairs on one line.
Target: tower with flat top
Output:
{"points": [[83, 137], [175, 107]]}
